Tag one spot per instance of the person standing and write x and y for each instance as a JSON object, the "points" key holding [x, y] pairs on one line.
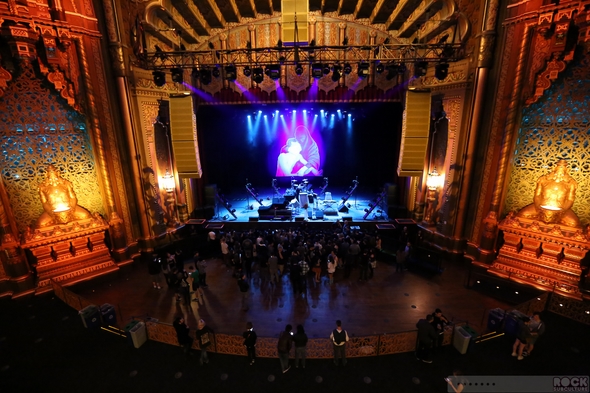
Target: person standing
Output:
{"points": [[522, 338], [250, 338], [202, 267], [537, 327], [439, 322], [331, 267], [204, 335], [244, 291], [300, 340], [155, 269], [426, 336], [182, 334], [284, 347], [339, 338], [273, 268], [196, 285]]}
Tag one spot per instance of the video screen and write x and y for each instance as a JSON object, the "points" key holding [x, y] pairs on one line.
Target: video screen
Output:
{"points": [[257, 143]]}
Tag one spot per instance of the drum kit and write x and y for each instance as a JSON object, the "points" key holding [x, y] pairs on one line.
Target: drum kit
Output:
{"points": [[300, 196]]}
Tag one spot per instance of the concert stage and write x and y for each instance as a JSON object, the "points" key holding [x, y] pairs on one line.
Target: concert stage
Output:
{"points": [[272, 207]]}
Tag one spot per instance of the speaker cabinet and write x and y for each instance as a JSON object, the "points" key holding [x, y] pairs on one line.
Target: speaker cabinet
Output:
{"points": [[415, 132], [183, 134], [253, 219]]}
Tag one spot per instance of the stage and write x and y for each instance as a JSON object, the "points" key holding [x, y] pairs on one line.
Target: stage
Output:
{"points": [[267, 205]]}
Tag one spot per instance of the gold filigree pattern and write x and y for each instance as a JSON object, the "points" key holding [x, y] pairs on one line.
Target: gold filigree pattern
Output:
{"points": [[553, 128], [36, 129], [397, 343], [569, 308]]}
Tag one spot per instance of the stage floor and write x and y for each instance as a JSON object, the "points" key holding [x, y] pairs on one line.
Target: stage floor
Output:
{"points": [[355, 208]]}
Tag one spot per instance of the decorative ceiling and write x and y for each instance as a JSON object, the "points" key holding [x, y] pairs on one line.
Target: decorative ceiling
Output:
{"points": [[193, 22]]}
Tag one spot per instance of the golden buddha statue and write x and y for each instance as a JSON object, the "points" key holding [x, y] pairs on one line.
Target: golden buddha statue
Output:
{"points": [[554, 198], [59, 201]]}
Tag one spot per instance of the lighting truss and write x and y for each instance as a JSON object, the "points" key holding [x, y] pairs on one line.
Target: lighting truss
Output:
{"points": [[401, 53]]}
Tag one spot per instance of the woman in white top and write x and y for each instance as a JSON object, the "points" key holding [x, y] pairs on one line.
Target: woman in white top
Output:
{"points": [[331, 267]]}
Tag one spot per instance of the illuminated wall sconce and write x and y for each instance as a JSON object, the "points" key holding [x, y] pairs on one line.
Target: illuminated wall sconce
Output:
{"points": [[167, 182], [433, 183]]}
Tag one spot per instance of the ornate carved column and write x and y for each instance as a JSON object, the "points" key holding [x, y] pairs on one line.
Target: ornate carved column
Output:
{"points": [[491, 221], [484, 62], [118, 63]]}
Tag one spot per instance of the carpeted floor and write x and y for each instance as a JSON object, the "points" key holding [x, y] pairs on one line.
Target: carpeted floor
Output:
{"points": [[45, 348]]}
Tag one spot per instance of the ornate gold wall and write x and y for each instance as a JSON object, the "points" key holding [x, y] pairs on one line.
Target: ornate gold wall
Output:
{"points": [[37, 128], [555, 127]]}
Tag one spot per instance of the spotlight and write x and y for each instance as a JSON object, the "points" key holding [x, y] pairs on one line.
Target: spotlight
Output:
{"points": [[317, 70], [176, 74], [441, 71], [205, 76], [159, 78], [195, 73], [336, 73], [298, 69], [247, 71], [420, 68], [394, 69], [216, 72], [258, 74], [231, 73], [347, 68], [326, 69], [379, 68], [273, 71], [363, 70]]}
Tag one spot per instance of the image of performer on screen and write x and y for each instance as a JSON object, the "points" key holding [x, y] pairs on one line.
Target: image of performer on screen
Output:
{"points": [[309, 148], [291, 161]]}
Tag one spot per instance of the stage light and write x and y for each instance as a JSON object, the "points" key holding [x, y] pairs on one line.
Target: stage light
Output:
{"points": [[441, 71], [258, 74], [195, 73], [205, 76], [298, 69], [395, 69], [247, 71], [176, 74], [159, 78], [336, 72], [347, 68], [326, 69], [379, 68], [363, 70], [273, 71], [317, 70], [215, 72], [231, 73], [420, 68]]}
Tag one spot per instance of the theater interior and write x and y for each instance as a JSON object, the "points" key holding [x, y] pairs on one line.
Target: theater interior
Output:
{"points": [[134, 128]]}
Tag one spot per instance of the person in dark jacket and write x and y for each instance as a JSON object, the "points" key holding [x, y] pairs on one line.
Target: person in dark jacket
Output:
{"points": [[284, 347], [204, 334], [182, 334], [339, 338], [426, 336], [250, 338], [155, 269], [300, 340]]}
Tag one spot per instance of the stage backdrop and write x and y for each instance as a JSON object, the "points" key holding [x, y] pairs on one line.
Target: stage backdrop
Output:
{"points": [[260, 143]]}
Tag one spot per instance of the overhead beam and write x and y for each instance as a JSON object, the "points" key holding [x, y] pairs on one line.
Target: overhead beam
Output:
{"points": [[346, 7], [174, 19], [419, 17], [264, 6], [401, 13], [213, 14], [247, 8], [383, 9]]}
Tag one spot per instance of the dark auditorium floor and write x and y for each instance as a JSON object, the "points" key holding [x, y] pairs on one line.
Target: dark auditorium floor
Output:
{"points": [[44, 346]]}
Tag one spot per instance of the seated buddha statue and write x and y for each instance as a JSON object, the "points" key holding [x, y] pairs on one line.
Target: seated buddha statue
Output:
{"points": [[554, 198], [59, 201]]}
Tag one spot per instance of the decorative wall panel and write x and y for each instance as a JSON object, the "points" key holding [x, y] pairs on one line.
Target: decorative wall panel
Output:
{"points": [[555, 127], [38, 128]]}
